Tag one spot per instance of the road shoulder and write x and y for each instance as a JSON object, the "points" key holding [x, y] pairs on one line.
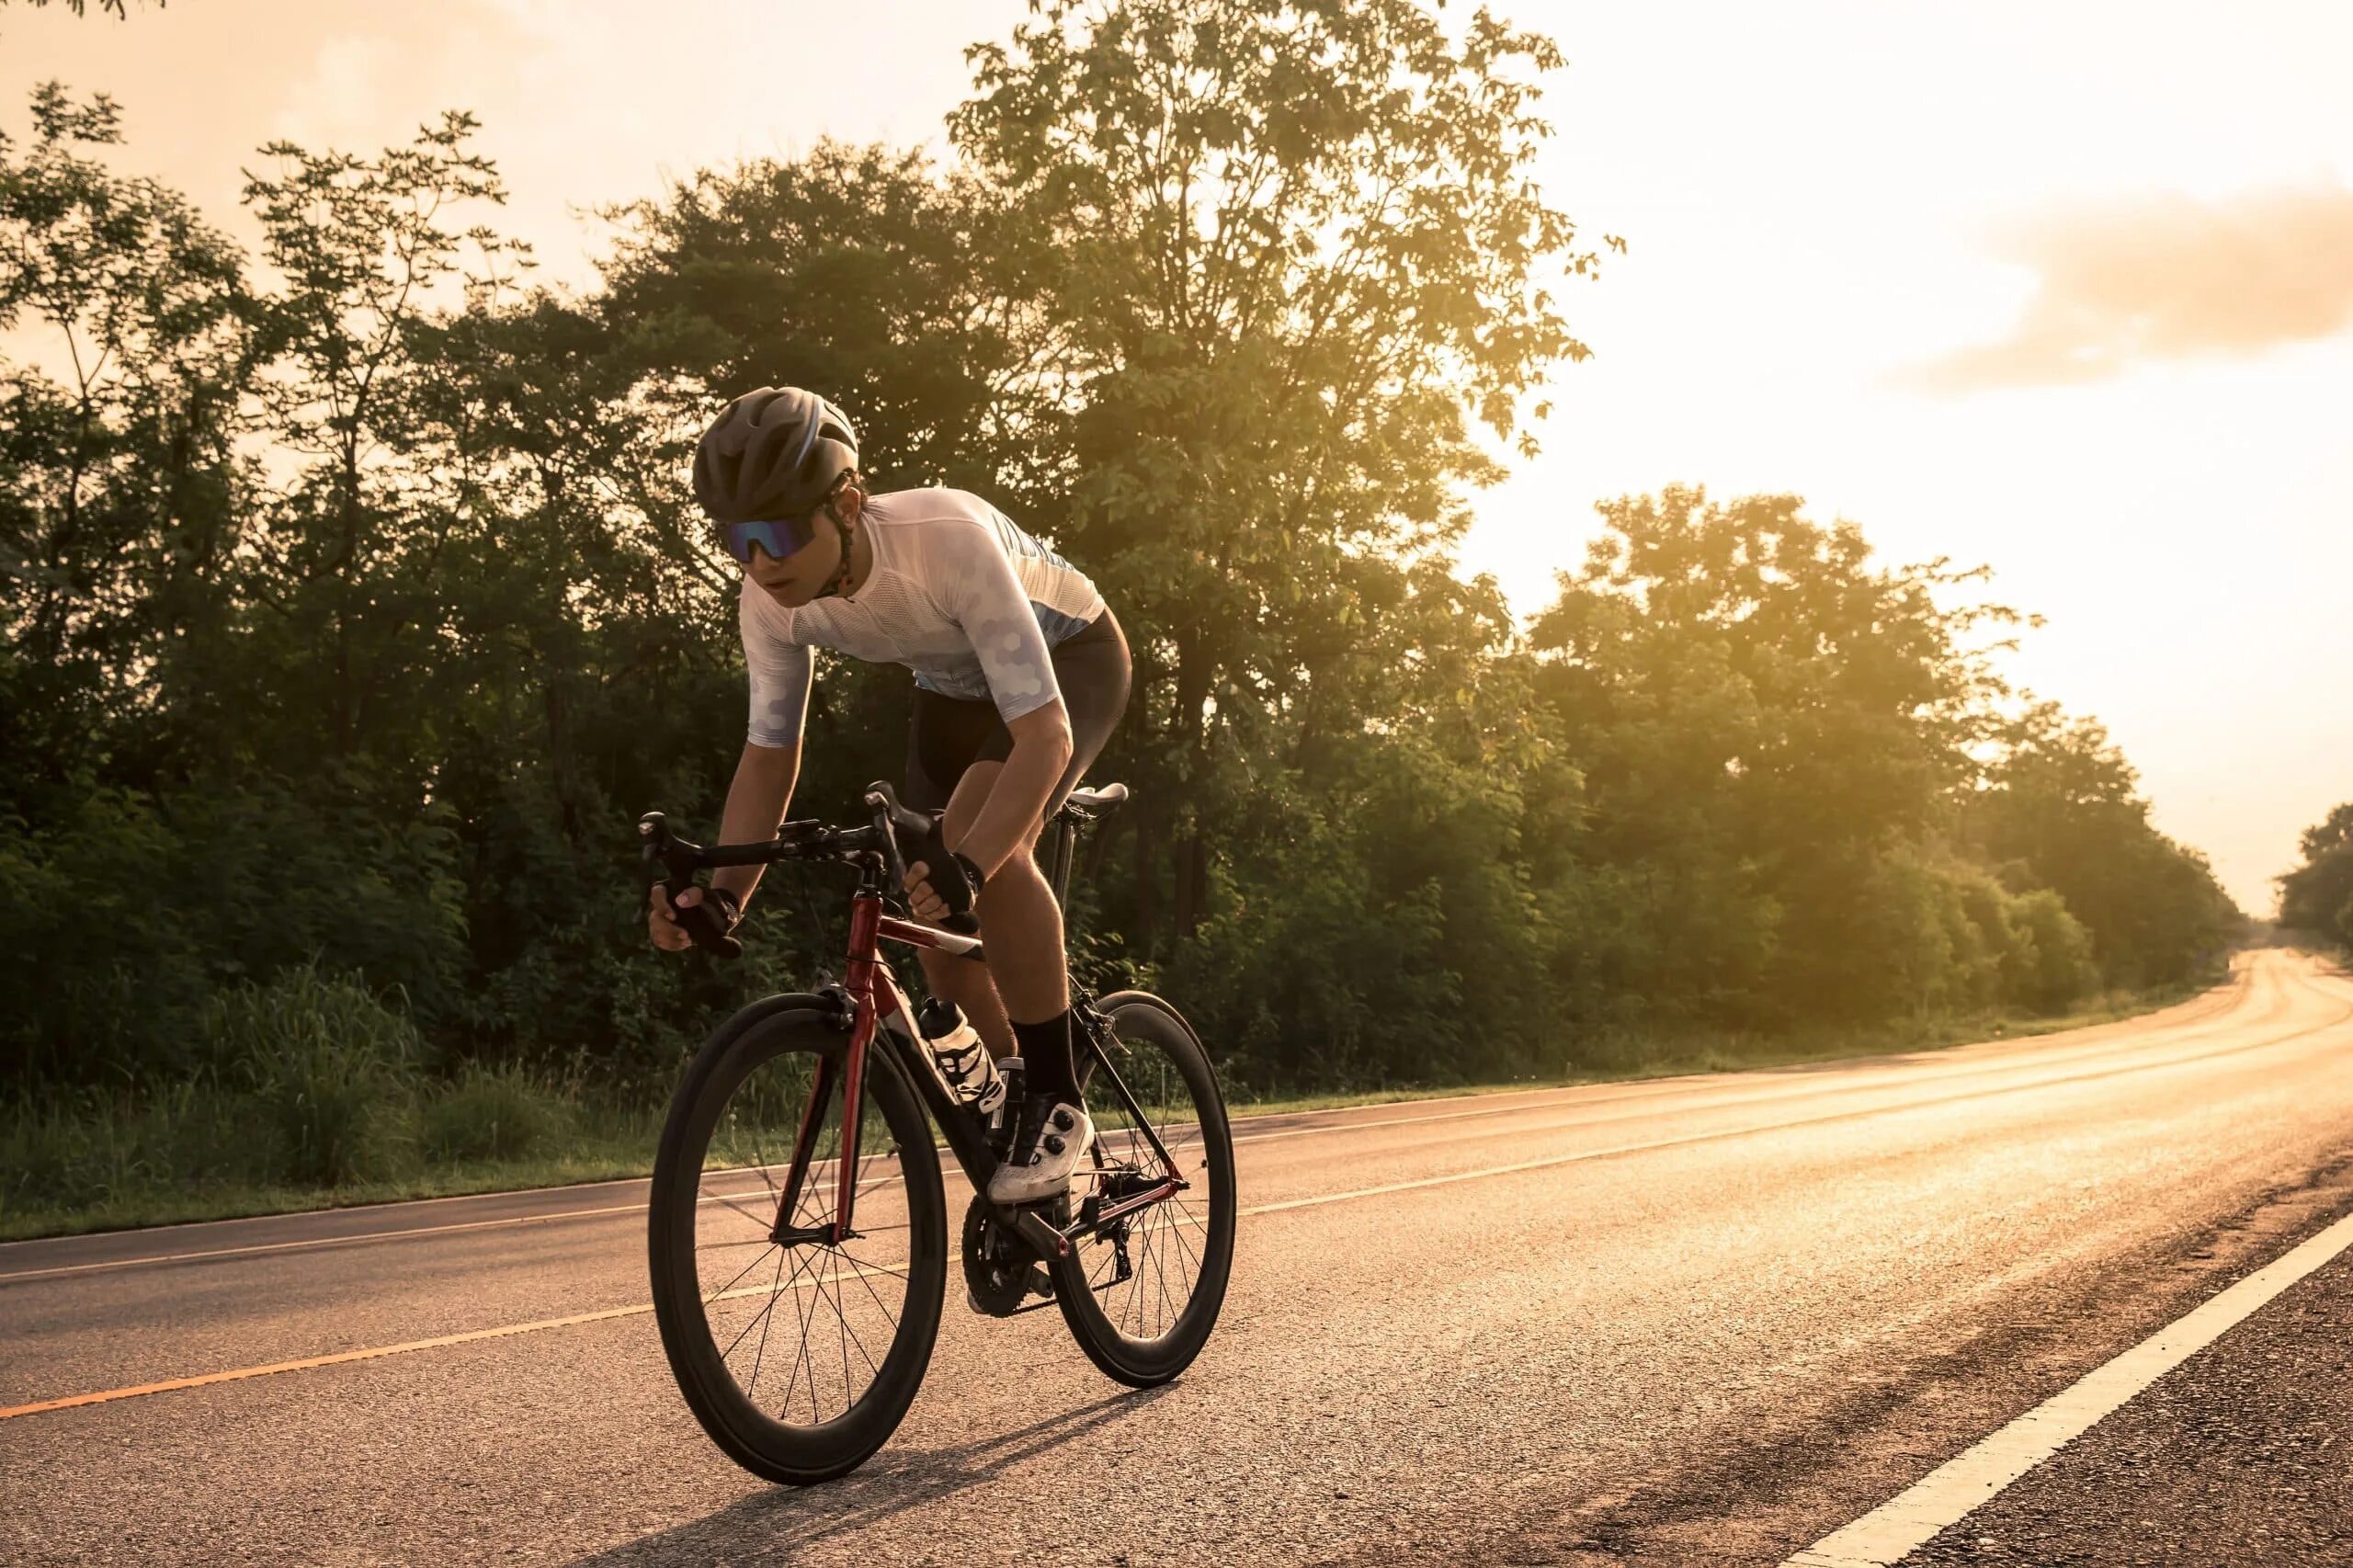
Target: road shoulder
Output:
{"points": [[2245, 1450]]}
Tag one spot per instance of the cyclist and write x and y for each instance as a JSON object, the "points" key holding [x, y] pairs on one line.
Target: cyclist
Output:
{"points": [[1020, 673]]}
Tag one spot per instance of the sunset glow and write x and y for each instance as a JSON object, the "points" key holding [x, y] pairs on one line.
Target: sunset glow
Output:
{"points": [[2064, 290]]}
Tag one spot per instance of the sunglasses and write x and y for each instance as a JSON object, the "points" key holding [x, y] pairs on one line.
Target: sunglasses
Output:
{"points": [[778, 540]]}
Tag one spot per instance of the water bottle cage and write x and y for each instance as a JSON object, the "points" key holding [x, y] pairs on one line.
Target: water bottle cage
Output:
{"points": [[955, 1065]]}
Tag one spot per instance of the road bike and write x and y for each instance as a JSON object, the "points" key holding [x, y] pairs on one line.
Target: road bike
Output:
{"points": [[798, 1233]]}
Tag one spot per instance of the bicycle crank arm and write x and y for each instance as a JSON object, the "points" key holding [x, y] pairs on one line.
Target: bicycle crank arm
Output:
{"points": [[1047, 1242]]}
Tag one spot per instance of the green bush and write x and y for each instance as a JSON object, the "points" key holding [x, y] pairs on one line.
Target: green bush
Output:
{"points": [[2055, 965], [83, 1151], [329, 1070], [492, 1114]]}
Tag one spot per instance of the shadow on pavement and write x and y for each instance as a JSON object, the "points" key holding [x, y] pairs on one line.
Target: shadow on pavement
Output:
{"points": [[776, 1525]]}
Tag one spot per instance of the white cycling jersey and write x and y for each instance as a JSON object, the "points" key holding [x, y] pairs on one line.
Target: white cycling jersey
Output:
{"points": [[958, 592]]}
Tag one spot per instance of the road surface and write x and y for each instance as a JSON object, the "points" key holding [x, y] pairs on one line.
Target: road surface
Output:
{"points": [[1692, 1320]]}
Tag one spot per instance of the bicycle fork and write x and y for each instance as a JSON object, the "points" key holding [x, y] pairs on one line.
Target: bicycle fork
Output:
{"points": [[865, 926]]}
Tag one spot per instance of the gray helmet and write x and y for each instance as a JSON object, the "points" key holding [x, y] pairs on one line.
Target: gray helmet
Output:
{"points": [[772, 455]]}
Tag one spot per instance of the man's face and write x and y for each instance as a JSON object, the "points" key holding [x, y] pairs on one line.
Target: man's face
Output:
{"points": [[797, 578]]}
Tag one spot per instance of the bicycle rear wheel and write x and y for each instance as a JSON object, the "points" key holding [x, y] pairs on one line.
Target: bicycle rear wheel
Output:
{"points": [[1140, 1292], [798, 1357]]}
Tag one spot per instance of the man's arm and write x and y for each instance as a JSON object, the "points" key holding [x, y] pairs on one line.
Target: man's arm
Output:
{"points": [[755, 804], [988, 601], [1009, 823]]}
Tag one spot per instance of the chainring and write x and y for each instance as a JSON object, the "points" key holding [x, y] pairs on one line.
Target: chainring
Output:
{"points": [[999, 1268]]}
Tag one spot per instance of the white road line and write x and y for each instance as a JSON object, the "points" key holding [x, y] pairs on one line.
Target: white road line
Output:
{"points": [[1898, 1528], [1615, 1151], [403, 1233]]}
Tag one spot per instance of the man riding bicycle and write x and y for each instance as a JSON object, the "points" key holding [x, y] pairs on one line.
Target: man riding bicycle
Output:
{"points": [[1021, 672]]}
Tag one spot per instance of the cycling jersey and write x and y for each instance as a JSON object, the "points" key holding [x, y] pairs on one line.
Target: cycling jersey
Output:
{"points": [[957, 592]]}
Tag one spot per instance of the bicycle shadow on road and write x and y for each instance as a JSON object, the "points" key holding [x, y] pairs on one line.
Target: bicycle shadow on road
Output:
{"points": [[777, 1524]]}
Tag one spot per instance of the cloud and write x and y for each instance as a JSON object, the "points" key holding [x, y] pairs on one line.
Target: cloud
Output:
{"points": [[2165, 278]]}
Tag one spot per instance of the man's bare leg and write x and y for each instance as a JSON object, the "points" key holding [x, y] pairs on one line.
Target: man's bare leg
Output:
{"points": [[1028, 971], [968, 985]]}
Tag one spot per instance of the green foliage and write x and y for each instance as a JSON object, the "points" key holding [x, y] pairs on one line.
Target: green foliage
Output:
{"points": [[2059, 811], [492, 1114], [1274, 254], [328, 1071], [358, 603], [2317, 896], [2055, 966], [86, 1149]]}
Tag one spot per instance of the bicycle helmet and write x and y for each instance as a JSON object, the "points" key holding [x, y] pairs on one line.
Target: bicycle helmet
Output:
{"points": [[773, 455]]}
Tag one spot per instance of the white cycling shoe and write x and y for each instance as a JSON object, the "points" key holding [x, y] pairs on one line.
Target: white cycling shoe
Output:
{"points": [[1064, 1135]]}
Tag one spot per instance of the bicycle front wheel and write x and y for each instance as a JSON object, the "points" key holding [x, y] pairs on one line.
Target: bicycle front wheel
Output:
{"points": [[799, 1355], [1140, 1290]]}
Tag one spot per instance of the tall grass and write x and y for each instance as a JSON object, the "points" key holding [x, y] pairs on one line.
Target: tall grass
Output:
{"points": [[306, 1084]]}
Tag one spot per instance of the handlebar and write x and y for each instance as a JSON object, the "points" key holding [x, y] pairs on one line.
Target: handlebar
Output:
{"points": [[676, 861]]}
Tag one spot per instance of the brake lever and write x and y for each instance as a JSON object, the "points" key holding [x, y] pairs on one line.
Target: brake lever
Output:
{"points": [[890, 818], [678, 860]]}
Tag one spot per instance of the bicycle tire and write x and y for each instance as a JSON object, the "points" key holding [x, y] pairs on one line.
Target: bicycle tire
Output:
{"points": [[1148, 1030], [690, 1196]]}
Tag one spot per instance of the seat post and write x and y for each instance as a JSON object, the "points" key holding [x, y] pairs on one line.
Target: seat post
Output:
{"points": [[1065, 843]]}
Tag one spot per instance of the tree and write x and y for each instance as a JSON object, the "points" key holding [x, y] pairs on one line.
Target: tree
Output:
{"points": [[1285, 248], [2063, 805], [118, 9], [122, 492], [1761, 714], [2317, 895], [346, 567], [874, 275]]}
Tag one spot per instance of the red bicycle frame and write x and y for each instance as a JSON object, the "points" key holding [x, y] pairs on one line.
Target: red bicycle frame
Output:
{"points": [[873, 994]]}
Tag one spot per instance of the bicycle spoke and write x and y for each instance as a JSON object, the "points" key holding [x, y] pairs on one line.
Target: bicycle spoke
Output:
{"points": [[739, 1275], [775, 1294], [762, 1220], [1154, 1132], [865, 1276], [801, 1359], [753, 1321], [768, 1321], [841, 1321]]}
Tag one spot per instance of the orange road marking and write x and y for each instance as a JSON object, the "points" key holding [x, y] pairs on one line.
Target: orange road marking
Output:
{"points": [[375, 1352], [1619, 1151], [168, 1385]]}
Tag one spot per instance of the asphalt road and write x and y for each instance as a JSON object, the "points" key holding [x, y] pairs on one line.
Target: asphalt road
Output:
{"points": [[1694, 1321]]}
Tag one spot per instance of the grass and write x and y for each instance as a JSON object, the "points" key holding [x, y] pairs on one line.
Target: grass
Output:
{"points": [[205, 1152], [1728, 1052]]}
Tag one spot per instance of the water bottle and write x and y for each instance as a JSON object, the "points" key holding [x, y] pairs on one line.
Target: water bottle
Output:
{"points": [[964, 1062]]}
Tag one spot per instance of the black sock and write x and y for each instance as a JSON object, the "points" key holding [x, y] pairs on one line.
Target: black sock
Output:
{"points": [[1046, 1057]]}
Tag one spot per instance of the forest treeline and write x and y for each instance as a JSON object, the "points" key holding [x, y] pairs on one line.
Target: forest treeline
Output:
{"points": [[2316, 897], [357, 603]]}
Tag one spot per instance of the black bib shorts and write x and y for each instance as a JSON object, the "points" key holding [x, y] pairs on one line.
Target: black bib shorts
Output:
{"points": [[949, 733]]}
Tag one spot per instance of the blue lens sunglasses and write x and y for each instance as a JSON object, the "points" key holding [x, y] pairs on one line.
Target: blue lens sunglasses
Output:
{"points": [[778, 540]]}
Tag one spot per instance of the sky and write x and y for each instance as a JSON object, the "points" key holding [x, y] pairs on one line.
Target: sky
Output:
{"points": [[2063, 288]]}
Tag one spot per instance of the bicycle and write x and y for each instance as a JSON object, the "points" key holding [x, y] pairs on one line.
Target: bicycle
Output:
{"points": [[847, 1231]]}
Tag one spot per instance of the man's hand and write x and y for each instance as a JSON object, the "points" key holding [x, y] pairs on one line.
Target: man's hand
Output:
{"points": [[662, 920], [939, 905], [922, 901]]}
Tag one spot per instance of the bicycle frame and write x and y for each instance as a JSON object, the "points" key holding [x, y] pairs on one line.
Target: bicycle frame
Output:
{"points": [[878, 1007]]}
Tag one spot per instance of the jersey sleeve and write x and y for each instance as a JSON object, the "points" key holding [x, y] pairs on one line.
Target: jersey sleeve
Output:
{"points": [[987, 602], [779, 671]]}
